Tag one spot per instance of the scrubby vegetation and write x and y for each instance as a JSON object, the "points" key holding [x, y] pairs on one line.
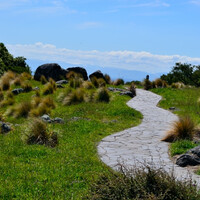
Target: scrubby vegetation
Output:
{"points": [[144, 183]]}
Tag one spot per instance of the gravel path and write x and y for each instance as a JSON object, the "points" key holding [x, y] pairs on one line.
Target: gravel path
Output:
{"points": [[142, 144]]}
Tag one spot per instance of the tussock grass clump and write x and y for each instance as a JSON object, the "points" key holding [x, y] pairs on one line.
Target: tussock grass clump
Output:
{"points": [[72, 75], [43, 80], [118, 81], [107, 79], [95, 82], [48, 89], [38, 133], [146, 183], [40, 110], [76, 96], [181, 129], [8, 99], [102, 95], [75, 82], [1, 96], [63, 94], [53, 83], [101, 82], [178, 85], [23, 109], [132, 88], [27, 87], [26, 76], [87, 85], [49, 102], [36, 101], [5, 84], [17, 81]]}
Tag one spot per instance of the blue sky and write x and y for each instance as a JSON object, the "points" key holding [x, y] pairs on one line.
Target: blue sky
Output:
{"points": [[143, 35]]}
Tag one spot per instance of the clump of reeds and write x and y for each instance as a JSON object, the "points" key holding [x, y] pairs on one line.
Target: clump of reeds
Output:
{"points": [[102, 95], [38, 133], [43, 80], [181, 129], [27, 86], [74, 97]]}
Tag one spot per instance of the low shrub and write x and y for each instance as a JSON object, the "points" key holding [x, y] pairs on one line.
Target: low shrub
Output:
{"points": [[43, 80], [118, 81], [102, 95], [27, 87], [76, 96], [38, 133], [147, 84], [146, 183], [181, 129]]}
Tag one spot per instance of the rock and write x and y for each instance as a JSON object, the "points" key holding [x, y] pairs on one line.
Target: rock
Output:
{"points": [[61, 82], [59, 86], [36, 88], [97, 74], [79, 70], [115, 89], [17, 91], [128, 93], [187, 159], [58, 120], [195, 150], [51, 70], [5, 128], [46, 118]]}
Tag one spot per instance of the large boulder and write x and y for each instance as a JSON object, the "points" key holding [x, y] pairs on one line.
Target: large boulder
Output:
{"points": [[79, 70], [97, 74], [50, 70]]}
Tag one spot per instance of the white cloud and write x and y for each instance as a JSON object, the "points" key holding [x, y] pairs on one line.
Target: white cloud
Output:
{"points": [[140, 61], [195, 2]]}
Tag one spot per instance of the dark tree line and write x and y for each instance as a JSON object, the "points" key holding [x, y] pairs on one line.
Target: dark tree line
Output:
{"points": [[8, 62], [185, 73]]}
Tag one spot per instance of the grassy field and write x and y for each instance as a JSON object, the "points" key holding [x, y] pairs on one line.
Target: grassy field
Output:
{"points": [[68, 170]]}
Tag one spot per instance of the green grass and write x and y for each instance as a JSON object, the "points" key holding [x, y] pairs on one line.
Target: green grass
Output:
{"points": [[185, 100], [68, 170], [181, 147]]}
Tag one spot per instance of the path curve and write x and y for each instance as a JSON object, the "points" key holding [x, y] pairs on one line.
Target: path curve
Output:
{"points": [[142, 144]]}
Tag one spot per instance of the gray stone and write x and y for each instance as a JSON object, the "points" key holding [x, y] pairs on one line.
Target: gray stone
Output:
{"points": [[187, 159], [62, 82], [46, 118], [59, 86], [36, 88], [5, 128], [17, 91], [128, 93], [58, 120]]}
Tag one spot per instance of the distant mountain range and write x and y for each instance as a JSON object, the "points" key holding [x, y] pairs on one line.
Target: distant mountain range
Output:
{"points": [[127, 75]]}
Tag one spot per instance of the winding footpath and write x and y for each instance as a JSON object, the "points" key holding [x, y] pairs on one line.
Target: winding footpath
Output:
{"points": [[142, 144]]}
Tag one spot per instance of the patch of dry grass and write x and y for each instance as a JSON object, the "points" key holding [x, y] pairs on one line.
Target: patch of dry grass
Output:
{"points": [[181, 129]]}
